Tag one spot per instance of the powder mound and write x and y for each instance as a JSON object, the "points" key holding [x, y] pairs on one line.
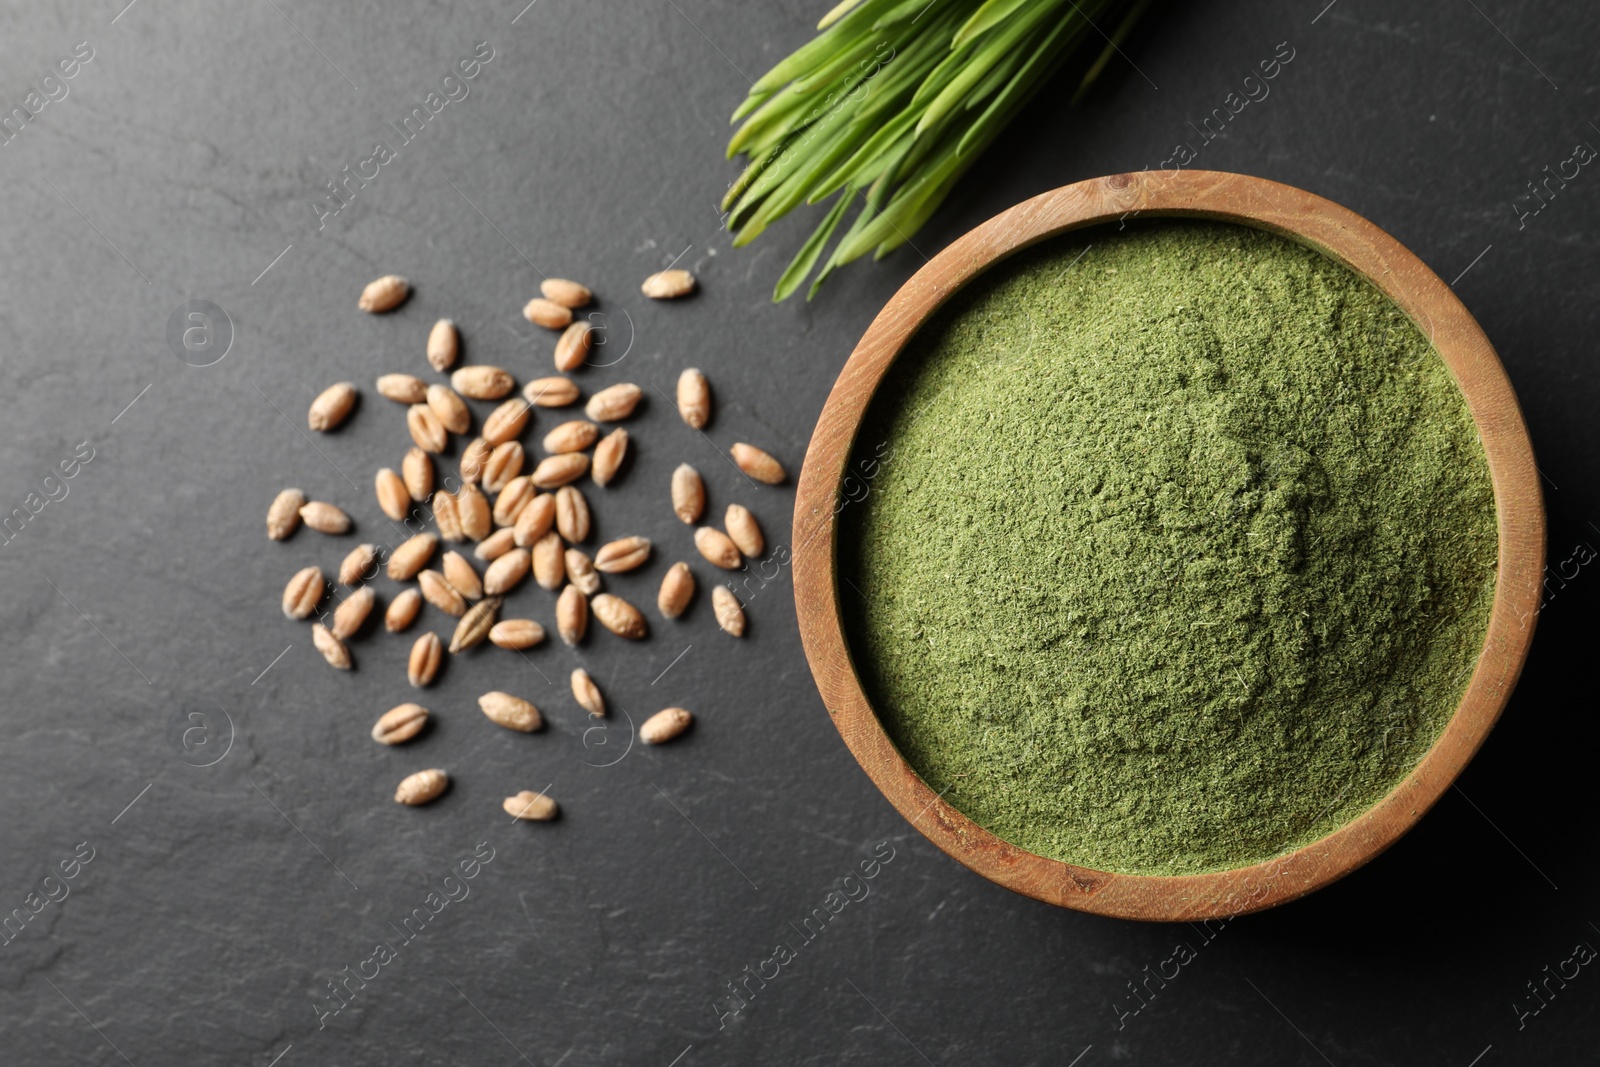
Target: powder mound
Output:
{"points": [[1179, 552]]}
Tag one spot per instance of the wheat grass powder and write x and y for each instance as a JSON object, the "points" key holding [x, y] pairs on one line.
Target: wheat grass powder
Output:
{"points": [[1179, 548]]}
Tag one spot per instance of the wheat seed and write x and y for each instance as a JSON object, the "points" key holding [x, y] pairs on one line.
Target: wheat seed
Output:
{"points": [[446, 403], [324, 517], [717, 547], [608, 456], [547, 313], [332, 406], [283, 516], [477, 520], [444, 343], [421, 787], [447, 515], [394, 500], [506, 422], [677, 589], [384, 294], [566, 293], [614, 403], [417, 472], [668, 285], [352, 612], [403, 388], [441, 594], [688, 494], [515, 495], [360, 563], [730, 614], [572, 347], [572, 615], [574, 436], [399, 724], [516, 633], [496, 544], [423, 666], [694, 398], [622, 555], [757, 464], [587, 694], [664, 725], [331, 647], [530, 806], [535, 520], [504, 464], [482, 382], [402, 611], [459, 573], [551, 392], [513, 713], [572, 514], [303, 593], [507, 572], [426, 429], [556, 471], [620, 617], [475, 625], [744, 531], [549, 568], [474, 458], [412, 555], [581, 572]]}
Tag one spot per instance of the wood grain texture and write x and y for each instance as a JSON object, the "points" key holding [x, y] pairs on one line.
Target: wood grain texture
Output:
{"points": [[1309, 220]]}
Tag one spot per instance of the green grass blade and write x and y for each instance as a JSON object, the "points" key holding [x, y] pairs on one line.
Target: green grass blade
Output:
{"points": [[913, 221], [839, 11], [1024, 83], [876, 195], [742, 183], [1113, 46], [823, 47], [811, 251], [879, 143], [887, 223], [802, 175], [899, 98], [840, 66], [991, 51], [751, 102], [775, 115], [998, 76], [940, 76], [912, 9], [792, 110], [798, 152], [900, 76], [991, 14], [923, 46]]}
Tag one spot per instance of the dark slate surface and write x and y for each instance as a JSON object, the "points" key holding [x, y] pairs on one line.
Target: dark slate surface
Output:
{"points": [[183, 165]]}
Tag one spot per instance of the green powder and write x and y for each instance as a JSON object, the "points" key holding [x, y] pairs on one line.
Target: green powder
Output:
{"points": [[1178, 552]]}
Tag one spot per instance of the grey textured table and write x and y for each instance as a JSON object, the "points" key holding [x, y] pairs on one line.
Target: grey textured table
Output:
{"points": [[175, 744]]}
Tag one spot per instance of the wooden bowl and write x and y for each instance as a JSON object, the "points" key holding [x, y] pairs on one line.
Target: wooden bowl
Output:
{"points": [[1299, 216]]}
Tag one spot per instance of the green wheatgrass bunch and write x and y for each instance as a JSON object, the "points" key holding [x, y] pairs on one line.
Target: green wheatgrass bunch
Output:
{"points": [[893, 101]]}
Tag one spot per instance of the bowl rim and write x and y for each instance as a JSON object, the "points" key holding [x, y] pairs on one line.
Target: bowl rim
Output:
{"points": [[1309, 220]]}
